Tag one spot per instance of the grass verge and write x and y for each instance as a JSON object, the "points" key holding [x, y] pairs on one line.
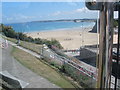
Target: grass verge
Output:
{"points": [[40, 68], [28, 45]]}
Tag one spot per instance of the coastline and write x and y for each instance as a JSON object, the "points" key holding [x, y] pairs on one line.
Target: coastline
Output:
{"points": [[70, 39], [63, 29]]}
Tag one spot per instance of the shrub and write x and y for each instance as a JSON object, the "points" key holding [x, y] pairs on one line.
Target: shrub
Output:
{"points": [[78, 76], [9, 32]]}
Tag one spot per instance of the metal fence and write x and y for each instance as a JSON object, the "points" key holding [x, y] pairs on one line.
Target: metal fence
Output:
{"points": [[51, 55]]}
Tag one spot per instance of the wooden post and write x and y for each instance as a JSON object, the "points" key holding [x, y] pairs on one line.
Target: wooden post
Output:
{"points": [[105, 45]]}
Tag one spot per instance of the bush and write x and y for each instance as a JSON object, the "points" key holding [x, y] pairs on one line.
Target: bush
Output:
{"points": [[56, 43], [9, 32], [78, 76]]}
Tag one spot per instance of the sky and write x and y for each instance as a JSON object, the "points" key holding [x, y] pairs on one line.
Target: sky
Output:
{"points": [[15, 12]]}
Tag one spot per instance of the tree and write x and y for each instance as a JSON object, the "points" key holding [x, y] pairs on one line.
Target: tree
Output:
{"points": [[21, 36], [8, 31], [56, 43]]}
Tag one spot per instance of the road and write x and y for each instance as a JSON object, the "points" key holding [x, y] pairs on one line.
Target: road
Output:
{"points": [[19, 71]]}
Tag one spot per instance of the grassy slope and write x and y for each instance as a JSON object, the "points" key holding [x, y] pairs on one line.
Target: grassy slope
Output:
{"points": [[40, 68], [28, 45]]}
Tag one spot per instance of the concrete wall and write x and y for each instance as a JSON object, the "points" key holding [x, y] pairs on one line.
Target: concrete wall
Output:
{"points": [[85, 54]]}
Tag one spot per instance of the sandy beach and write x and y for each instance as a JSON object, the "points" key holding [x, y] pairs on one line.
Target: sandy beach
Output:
{"points": [[70, 39]]}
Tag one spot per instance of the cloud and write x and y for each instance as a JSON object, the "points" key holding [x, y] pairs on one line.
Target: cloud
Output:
{"points": [[80, 10], [86, 13], [76, 13], [18, 18], [73, 3], [60, 13], [56, 13], [22, 17], [84, 9], [9, 19]]}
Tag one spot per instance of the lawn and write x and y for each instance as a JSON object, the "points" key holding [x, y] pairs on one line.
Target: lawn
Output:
{"points": [[31, 46], [42, 69]]}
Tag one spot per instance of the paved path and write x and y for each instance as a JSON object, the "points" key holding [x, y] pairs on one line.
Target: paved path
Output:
{"points": [[19, 71], [24, 49]]}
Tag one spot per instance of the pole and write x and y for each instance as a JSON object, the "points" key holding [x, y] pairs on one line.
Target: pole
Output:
{"points": [[105, 45]]}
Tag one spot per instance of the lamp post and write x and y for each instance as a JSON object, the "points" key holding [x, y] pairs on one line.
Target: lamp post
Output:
{"points": [[82, 35]]}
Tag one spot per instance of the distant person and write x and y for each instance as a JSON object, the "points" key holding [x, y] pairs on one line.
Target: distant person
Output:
{"points": [[6, 44], [18, 42]]}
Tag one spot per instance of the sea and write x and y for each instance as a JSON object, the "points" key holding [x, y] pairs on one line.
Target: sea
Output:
{"points": [[28, 27]]}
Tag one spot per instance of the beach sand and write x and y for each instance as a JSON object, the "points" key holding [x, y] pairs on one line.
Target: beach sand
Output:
{"points": [[69, 39]]}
